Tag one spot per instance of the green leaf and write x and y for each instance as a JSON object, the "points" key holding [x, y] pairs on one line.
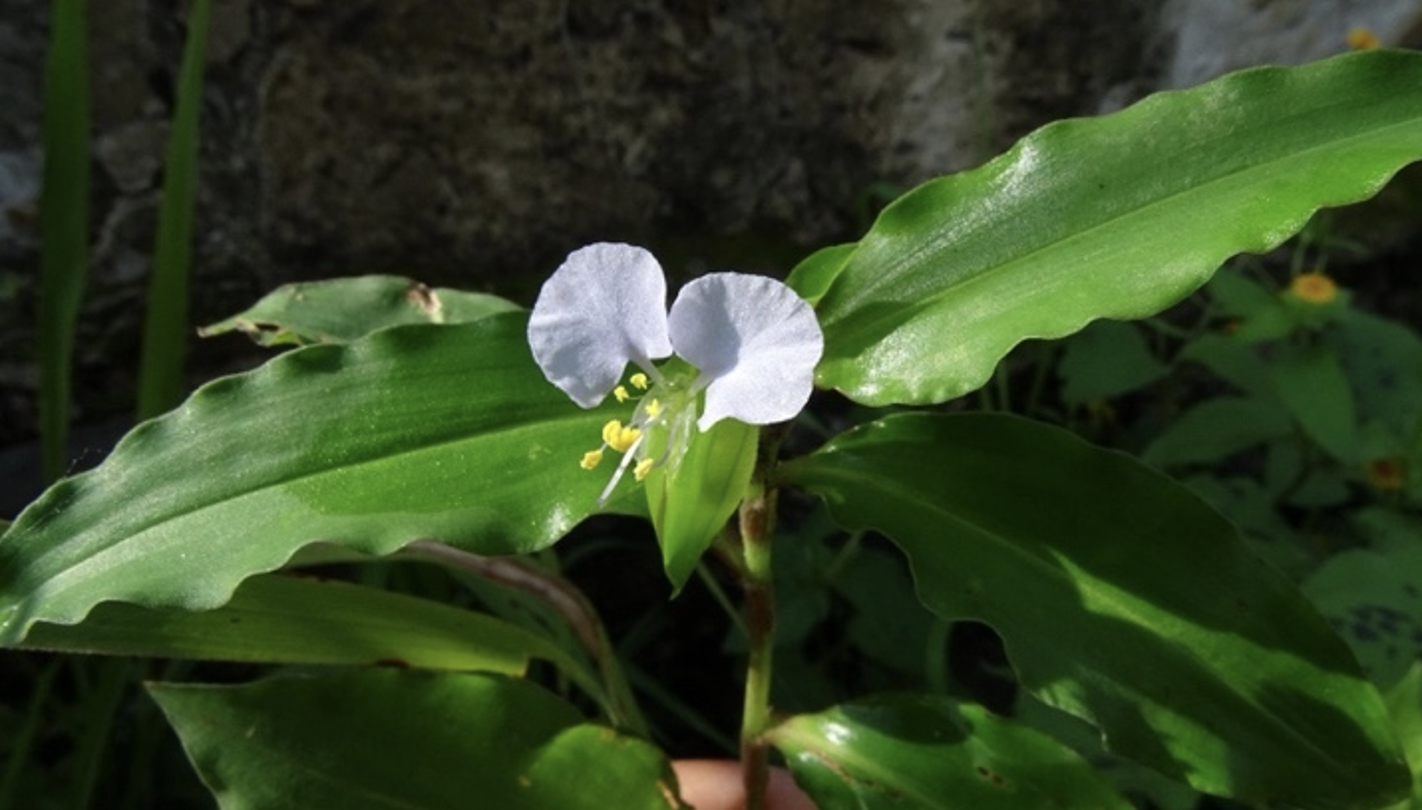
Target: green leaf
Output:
{"points": [[1233, 360], [1122, 599], [1405, 702], [1254, 511], [690, 506], [1374, 599], [1217, 428], [165, 320], [1312, 386], [1383, 362], [1115, 217], [812, 277], [387, 739], [888, 624], [300, 620], [64, 222], [346, 309], [924, 752], [445, 432], [1261, 314], [1107, 359]]}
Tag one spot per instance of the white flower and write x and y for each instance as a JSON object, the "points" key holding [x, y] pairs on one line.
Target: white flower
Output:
{"points": [[752, 341]]}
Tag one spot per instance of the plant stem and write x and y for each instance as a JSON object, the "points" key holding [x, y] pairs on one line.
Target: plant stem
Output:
{"points": [[757, 523]]}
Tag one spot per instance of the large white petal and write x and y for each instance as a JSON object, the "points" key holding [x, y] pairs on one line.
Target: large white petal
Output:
{"points": [[604, 306], [755, 339]]}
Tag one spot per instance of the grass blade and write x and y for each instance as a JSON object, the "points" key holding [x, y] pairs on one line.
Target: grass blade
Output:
{"points": [[165, 328], [64, 222]]}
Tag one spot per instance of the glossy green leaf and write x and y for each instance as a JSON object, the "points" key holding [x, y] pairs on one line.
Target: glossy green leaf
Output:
{"points": [[691, 506], [445, 432], [813, 276], [1123, 600], [301, 620], [1114, 217], [346, 309], [932, 753], [387, 739]]}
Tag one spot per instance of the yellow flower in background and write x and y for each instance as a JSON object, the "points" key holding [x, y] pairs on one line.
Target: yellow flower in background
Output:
{"points": [[1313, 287], [1363, 39]]}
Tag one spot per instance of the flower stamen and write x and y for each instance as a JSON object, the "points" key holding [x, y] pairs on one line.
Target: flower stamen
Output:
{"points": [[591, 459], [620, 438], [621, 468]]}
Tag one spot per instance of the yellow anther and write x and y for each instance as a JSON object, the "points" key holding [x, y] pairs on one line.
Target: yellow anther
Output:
{"points": [[591, 459], [1315, 288], [619, 438], [620, 393], [654, 408], [639, 381], [643, 467]]}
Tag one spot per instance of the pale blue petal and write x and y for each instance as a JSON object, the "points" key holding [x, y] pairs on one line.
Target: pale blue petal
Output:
{"points": [[603, 307], [754, 340]]}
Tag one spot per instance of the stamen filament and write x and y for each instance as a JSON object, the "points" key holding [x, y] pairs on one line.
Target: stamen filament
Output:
{"points": [[617, 476]]}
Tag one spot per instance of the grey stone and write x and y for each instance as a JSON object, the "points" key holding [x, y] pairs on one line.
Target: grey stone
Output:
{"points": [[1212, 37], [475, 144]]}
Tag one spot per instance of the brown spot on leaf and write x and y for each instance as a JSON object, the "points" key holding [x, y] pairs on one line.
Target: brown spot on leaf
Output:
{"points": [[991, 776], [427, 300]]}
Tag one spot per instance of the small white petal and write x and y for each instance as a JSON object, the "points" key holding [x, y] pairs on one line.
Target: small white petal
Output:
{"points": [[755, 339], [604, 306]]}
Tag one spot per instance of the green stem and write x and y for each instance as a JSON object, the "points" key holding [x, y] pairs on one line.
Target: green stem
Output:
{"points": [[757, 524], [64, 223]]}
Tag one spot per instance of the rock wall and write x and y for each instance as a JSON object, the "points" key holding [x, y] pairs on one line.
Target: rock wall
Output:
{"points": [[474, 144]]}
